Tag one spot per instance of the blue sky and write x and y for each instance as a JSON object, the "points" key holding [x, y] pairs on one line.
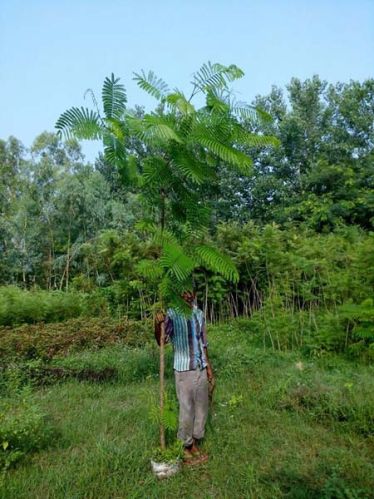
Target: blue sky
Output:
{"points": [[52, 51]]}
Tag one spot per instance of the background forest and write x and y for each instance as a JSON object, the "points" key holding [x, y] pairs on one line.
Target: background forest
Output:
{"points": [[299, 228]]}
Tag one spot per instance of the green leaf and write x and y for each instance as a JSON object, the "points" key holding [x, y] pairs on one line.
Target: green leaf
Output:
{"points": [[216, 102], [218, 262], [178, 101], [252, 113], [176, 262], [191, 168], [156, 172], [228, 154], [80, 123], [215, 75], [114, 97], [149, 269], [153, 129], [252, 139], [151, 84], [114, 151]]}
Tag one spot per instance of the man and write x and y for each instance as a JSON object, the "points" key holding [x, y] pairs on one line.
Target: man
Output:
{"points": [[193, 372]]}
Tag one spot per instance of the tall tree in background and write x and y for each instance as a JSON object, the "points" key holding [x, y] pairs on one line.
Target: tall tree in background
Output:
{"points": [[322, 175]]}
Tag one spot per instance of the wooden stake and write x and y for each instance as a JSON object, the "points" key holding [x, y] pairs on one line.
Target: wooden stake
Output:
{"points": [[162, 371]]}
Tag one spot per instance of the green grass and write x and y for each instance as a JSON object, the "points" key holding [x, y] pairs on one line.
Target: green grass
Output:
{"points": [[280, 426]]}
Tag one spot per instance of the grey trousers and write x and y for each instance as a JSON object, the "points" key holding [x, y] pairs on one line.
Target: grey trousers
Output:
{"points": [[193, 397]]}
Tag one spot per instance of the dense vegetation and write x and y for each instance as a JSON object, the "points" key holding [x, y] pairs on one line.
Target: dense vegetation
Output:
{"points": [[293, 402], [298, 228]]}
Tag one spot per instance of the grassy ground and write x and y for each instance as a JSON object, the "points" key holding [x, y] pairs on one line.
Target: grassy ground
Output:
{"points": [[280, 426]]}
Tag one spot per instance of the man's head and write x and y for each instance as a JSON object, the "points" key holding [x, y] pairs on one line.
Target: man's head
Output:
{"points": [[189, 297]]}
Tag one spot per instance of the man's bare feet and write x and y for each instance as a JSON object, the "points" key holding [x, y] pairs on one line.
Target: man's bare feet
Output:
{"points": [[195, 450], [193, 455]]}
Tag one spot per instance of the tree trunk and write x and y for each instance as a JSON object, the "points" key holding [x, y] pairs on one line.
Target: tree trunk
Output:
{"points": [[67, 264], [162, 342], [162, 371], [162, 212]]}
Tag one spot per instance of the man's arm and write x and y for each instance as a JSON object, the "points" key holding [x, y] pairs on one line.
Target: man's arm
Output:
{"points": [[209, 369], [159, 319]]}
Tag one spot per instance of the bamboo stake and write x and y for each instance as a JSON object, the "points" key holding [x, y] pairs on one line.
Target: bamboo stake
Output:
{"points": [[162, 372]]}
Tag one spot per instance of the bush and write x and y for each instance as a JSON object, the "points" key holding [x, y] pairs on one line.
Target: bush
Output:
{"points": [[131, 364], [23, 429], [18, 306], [46, 341]]}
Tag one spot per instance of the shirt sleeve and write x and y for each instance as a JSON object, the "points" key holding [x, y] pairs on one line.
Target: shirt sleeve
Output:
{"points": [[203, 333], [169, 329]]}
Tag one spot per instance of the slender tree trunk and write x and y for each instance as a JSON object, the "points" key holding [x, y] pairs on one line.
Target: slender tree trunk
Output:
{"points": [[162, 214], [206, 296], [162, 343], [49, 269], [68, 263], [162, 383]]}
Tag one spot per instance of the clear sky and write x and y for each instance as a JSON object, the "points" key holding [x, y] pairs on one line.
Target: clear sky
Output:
{"points": [[51, 51]]}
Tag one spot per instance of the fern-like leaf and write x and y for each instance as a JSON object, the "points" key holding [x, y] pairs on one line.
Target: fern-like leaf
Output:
{"points": [[114, 150], [241, 136], [153, 129], [191, 168], [228, 154], [114, 97], [149, 269], [152, 84], [217, 262], [175, 261], [80, 123], [171, 290], [253, 113], [215, 75], [178, 101]]}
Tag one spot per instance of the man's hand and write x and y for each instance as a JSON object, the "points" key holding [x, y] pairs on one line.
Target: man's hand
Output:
{"points": [[159, 317], [211, 381], [209, 372]]}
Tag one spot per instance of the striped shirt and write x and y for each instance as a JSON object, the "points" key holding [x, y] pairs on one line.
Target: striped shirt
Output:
{"points": [[188, 337]]}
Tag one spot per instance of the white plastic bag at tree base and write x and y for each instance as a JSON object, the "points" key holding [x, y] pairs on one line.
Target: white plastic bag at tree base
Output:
{"points": [[165, 470]]}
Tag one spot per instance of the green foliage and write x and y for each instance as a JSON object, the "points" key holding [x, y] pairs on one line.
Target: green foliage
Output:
{"points": [[212, 76], [131, 363], [24, 429], [218, 262], [152, 84], [114, 98], [168, 417], [322, 173], [80, 123], [172, 453], [58, 339], [18, 306], [179, 140]]}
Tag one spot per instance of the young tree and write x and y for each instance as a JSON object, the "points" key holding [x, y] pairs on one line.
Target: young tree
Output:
{"points": [[184, 146]]}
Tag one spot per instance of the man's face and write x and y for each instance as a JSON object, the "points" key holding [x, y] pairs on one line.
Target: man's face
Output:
{"points": [[188, 297]]}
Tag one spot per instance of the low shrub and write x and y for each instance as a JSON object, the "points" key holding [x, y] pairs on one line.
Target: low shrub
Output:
{"points": [[348, 329], [18, 306], [45, 341], [23, 429], [132, 364]]}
